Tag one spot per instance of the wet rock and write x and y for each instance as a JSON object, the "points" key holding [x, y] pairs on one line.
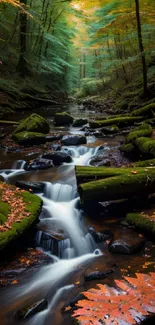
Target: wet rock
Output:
{"points": [[110, 129], [58, 157], [31, 310], [63, 118], [130, 243], [36, 187], [98, 275], [39, 164], [51, 138], [12, 273], [73, 140], [29, 138], [80, 122], [55, 147], [100, 236], [98, 160]]}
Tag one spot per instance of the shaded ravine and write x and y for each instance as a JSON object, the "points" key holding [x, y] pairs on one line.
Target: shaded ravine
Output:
{"points": [[55, 282]]}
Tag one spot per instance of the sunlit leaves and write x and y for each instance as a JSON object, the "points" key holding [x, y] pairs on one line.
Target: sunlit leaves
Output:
{"points": [[133, 299]]}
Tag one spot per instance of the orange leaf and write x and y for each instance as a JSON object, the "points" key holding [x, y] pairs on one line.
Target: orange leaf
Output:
{"points": [[14, 282], [134, 172]]}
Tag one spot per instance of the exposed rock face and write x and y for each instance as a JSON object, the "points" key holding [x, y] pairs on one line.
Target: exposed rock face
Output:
{"points": [[64, 118], [58, 157], [73, 140]]}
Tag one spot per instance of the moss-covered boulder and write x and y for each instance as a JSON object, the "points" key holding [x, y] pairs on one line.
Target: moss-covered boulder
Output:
{"points": [[143, 131], [110, 130], [18, 211], [146, 146], [29, 138], [80, 122], [63, 118], [33, 123], [128, 150], [147, 111], [142, 221], [119, 121]]}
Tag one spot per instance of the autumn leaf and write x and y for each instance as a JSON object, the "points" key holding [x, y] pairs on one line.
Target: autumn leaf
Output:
{"points": [[14, 282], [133, 299], [134, 172]]}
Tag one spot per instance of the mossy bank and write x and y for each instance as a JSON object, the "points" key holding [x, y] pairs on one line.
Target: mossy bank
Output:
{"points": [[18, 211]]}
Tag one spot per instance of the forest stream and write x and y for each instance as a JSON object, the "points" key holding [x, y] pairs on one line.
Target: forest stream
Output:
{"points": [[63, 238]]}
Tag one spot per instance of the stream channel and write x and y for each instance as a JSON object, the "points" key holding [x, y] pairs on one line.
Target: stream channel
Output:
{"points": [[76, 253]]}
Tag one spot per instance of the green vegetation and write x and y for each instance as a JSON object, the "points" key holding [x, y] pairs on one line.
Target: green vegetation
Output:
{"points": [[29, 138], [64, 118], [32, 207], [146, 146], [128, 149], [119, 121], [144, 131], [144, 163], [141, 221], [33, 123], [147, 111]]}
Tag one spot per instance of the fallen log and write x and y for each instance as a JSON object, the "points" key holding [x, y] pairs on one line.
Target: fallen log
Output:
{"points": [[86, 174], [119, 121], [129, 184]]}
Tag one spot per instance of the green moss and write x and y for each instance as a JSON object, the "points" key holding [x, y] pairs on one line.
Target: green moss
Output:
{"points": [[8, 122], [128, 150], [144, 131], [147, 111], [110, 130], [33, 206], [4, 208], [142, 222], [80, 122], [33, 123], [5, 112], [63, 118], [144, 163], [29, 137], [2, 218], [119, 121], [146, 146]]}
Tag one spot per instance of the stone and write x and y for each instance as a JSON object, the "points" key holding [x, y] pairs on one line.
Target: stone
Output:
{"points": [[80, 122], [39, 164], [52, 138], [130, 243], [33, 123], [58, 157], [100, 236], [73, 140], [63, 118], [31, 310], [29, 138], [36, 187], [97, 275]]}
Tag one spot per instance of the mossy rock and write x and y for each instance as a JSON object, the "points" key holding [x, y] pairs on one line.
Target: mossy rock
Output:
{"points": [[29, 138], [142, 222], [33, 207], [119, 121], [33, 123], [110, 130], [146, 146], [80, 122], [4, 208], [145, 130], [144, 163], [148, 111], [63, 118], [128, 150]]}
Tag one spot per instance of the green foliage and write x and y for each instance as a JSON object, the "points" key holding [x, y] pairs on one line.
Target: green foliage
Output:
{"points": [[141, 221], [33, 123]]}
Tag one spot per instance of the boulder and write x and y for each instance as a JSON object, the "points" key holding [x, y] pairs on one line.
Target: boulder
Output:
{"points": [[39, 164], [73, 140], [63, 118], [36, 187], [100, 236], [29, 138], [31, 310], [58, 157], [110, 130], [80, 122], [99, 160], [33, 123], [51, 138], [128, 243]]}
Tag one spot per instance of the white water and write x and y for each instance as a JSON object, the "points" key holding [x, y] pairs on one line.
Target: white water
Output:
{"points": [[76, 250]]}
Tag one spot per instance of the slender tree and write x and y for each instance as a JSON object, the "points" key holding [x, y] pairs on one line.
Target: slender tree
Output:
{"points": [[22, 63], [141, 48]]}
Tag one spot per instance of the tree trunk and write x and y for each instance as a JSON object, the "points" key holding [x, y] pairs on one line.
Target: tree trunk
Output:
{"points": [[141, 48], [127, 185], [22, 63]]}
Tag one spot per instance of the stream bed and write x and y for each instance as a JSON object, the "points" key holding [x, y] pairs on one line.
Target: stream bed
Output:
{"points": [[65, 251]]}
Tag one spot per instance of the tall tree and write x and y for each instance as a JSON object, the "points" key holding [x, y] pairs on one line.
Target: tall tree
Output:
{"points": [[141, 48]]}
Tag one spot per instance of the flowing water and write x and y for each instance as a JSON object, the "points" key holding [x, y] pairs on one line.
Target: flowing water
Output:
{"points": [[75, 248]]}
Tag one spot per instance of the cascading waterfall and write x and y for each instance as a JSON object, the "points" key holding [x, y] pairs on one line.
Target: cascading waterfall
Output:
{"points": [[60, 210]]}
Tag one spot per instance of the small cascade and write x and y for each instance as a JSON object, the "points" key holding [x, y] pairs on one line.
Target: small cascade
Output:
{"points": [[19, 164], [81, 154]]}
